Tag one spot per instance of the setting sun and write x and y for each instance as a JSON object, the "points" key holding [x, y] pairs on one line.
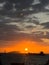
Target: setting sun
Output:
{"points": [[26, 49], [26, 46]]}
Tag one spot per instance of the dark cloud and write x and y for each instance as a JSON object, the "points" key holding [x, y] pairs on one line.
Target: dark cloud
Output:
{"points": [[38, 7], [44, 2], [46, 25], [12, 32], [47, 36], [44, 36], [36, 22], [7, 32], [8, 6], [19, 4], [22, 7], [30, 27], [2, 1], [41, 35]]}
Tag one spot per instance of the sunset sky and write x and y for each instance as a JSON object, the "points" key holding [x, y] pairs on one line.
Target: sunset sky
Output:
{"points": [[24, 24]]}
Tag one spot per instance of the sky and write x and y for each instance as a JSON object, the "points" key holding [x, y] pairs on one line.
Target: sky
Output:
{"points": [[24, 24]]}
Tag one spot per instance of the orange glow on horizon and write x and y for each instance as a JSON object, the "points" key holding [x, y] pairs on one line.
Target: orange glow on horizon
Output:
{"points": [[29, 46]]}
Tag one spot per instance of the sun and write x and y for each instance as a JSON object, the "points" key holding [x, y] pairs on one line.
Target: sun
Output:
{"points": [[26, 50]]}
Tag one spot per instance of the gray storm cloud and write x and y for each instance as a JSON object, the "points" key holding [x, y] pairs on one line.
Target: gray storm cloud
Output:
{"points": [[24, 19]]}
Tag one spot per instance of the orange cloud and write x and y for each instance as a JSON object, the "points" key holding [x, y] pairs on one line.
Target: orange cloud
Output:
{"points": [[33, 47]]}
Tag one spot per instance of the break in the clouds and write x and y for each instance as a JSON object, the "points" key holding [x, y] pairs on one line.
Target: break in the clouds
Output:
{"points": [[24, 19]]}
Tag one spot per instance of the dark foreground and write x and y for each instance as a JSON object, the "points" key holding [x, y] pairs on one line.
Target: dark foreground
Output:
{"points": [[14, 58]]}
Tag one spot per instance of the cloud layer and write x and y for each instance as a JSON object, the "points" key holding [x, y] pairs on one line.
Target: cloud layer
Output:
{"points": [[24, 19]]}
